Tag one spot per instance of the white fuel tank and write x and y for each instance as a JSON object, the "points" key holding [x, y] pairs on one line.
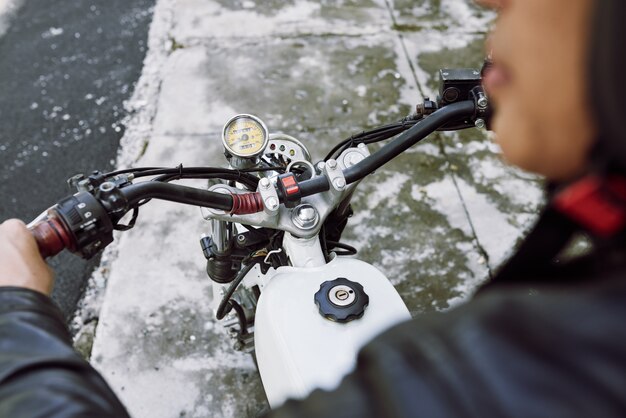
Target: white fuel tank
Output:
{"points": [[298, 349]]}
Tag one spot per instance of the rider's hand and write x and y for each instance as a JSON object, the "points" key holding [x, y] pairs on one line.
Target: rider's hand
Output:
{"points": [[21, 264]]}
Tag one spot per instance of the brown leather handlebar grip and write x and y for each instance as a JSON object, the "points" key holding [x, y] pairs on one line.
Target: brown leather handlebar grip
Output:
{"points": [[51, 236]]}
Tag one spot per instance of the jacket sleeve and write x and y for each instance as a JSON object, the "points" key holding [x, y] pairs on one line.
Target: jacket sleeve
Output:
{"points": [[509, 353], [40, 373]]}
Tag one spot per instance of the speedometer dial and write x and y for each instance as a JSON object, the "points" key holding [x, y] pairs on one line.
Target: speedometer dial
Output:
{"points": [[245, 136]]}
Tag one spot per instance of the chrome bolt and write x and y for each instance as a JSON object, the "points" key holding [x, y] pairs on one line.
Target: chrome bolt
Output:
{"points": [[483, 102], [305, 216], [480, 123], [264, 183], [339, 183], [332, 164], [352, 158], [321, 165], [271, 203], [241, 238], [107, 186]]}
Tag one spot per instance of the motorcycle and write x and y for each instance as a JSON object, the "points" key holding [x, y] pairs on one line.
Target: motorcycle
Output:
{"points": [[285, 286]]}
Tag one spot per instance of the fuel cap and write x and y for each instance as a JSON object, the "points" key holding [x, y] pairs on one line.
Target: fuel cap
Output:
{"points": [[341, 300]]}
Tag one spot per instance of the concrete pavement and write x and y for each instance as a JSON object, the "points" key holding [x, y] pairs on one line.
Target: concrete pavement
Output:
{"points": [[437, 220]]}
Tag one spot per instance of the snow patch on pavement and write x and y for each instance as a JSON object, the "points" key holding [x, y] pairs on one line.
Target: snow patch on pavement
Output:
{"points": [[8, 8], [440, 195], [433, 41], [143, 104], [303, 17], [189, 103], [387, 190], [464, 14], [494, 231]]}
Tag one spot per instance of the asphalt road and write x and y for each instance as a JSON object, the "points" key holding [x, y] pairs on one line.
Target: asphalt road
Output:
{"points": [[66, 68]]}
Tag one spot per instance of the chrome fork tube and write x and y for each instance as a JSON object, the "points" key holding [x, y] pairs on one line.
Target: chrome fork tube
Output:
{"points": [[221, 232]]}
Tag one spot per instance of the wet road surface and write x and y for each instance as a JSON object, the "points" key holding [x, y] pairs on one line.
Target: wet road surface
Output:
{"points": [[66, 68]]}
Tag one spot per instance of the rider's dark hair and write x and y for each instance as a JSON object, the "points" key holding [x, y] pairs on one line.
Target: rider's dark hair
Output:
{"points": [[608, 84]]}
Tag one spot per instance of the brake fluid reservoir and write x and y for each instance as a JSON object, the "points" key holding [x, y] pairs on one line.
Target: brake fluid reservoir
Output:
{"points": [[311, 322]]}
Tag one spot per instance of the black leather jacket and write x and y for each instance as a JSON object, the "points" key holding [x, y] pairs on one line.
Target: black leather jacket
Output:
{"points": [[519, 352], [40, 373], [551, 347], [545, 338]]}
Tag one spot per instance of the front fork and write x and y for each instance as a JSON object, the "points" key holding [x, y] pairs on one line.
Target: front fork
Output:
{"points": [[222, 234], [222, 265]]}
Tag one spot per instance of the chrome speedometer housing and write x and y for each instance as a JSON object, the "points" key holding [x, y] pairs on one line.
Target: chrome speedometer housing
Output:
{"points": [[245, 136]]}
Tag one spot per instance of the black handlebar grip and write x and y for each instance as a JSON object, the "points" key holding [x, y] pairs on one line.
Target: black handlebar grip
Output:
{"points": [[52, 237]]}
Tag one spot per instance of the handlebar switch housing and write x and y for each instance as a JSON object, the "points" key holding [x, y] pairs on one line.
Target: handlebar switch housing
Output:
{"points": [[289, 190], [87, 222]]}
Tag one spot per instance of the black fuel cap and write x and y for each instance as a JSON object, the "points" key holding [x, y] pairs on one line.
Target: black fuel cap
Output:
{"points": [[341, 300]]}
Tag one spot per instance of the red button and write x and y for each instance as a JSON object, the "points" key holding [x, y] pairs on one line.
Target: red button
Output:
{"points": [[290, 185]]}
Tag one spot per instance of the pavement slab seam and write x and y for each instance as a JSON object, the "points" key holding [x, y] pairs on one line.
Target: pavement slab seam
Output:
{"points": [[421, 90], [404, 49], [480, 247]]}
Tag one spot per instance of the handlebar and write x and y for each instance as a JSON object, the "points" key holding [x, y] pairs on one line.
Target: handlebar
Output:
{"points": [[176, 193], [84, 223], [404, 141]]}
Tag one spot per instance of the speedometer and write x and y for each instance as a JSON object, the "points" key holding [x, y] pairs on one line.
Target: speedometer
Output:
{"points": [[245, 136]]}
